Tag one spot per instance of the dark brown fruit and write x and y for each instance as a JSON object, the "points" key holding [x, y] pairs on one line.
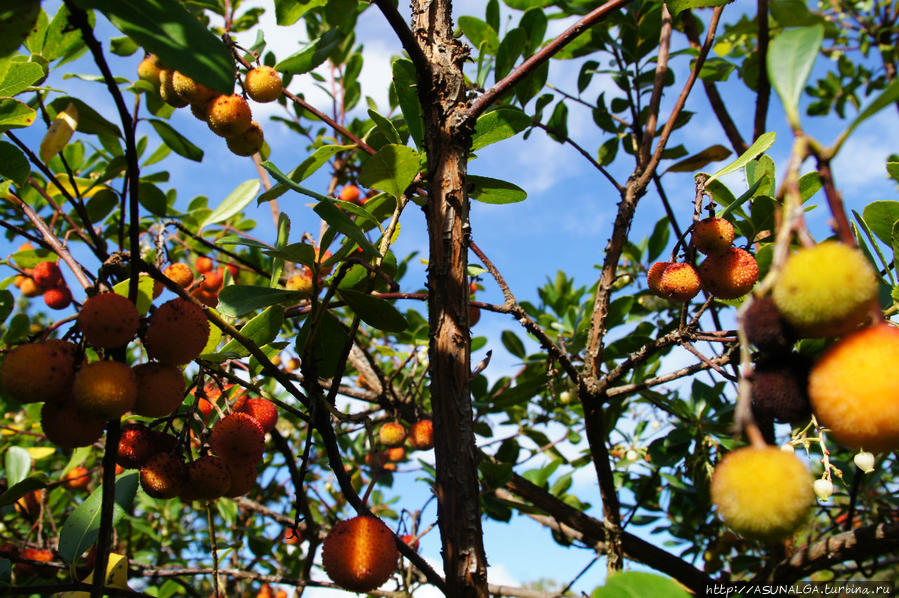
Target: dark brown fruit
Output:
{"points": [[160, 389], [163, 475], [208, 477], [68, 427], [238, 438], [765, 328], [780, 389]]}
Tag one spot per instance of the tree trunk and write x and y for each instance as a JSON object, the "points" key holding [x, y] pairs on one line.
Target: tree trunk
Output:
{"points": [[443, 99]]}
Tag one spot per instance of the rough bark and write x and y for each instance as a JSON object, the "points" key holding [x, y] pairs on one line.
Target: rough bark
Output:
{"points": [[443, 98]]}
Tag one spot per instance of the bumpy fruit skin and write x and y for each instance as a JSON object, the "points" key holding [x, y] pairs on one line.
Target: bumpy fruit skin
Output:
{"points": [[762, 493], [68, 427], [36, 372], [854, 392], [180, 273], [47, 275], [149, 68], [765, 327], [729, 275], [163, 476], [238, 438], [780, 389], [713, 236], [58, 297], [421, 435], [208, 477], [679, 282], [229, 115], [160, 389], [167, 89], [826, 290], [191, 91], [177, 332], [262, 410], [108, 320], [300, 282], [392, 434], [247, 143], [359, 554], [263, 84], [654, 276], [137, 444], [243, 478], [106, 389]]}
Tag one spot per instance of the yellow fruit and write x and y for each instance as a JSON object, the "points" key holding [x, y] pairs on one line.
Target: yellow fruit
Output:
{"points": [[60, 132], [654, 276], [826, 290], [167, 89], [180, 273], [854, 391], [149, 68], [106, 389], [191, 91], [247, 143], [229, 115], [301, 283], [37, 372], [392, 434], [762, 493], [160, 389], [713, 236], [263, 84]]}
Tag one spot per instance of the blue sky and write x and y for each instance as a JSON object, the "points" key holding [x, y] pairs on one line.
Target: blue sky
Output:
{"points": [[563, 225]]}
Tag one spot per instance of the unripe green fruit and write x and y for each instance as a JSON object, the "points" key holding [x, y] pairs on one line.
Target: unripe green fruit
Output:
{"points": [[826, 290], [762, 493]]}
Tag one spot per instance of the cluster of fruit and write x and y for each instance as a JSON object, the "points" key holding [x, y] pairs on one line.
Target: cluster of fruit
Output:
{"points": [[44, 279], [727, 272], [228, 116], [828, 290], [392, 436], [205, 290], [302, 281], [266, 591]]}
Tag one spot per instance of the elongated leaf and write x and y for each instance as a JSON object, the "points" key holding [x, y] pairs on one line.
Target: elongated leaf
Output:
{"points": [[61, 38], [513, 344], [262, 330], [274, 280], [83, 526], [89, 120], [7, 302], [490, 190], [791, 56], [888, 96], [312, 55], [318, 158], [340, 222], [288, 12], [406, 85], [301, 253], [735, 204], [676, 6], [809, 184], [180, 144], [13, 163], [17, 491], [499, 124], [761, 144], [374, 311], [166, 29], [479, 33], [18, 19], [710, 154], [287, 182], [234, 203], [17, 463], [385, 127], [238, 300], [16, 77], [391, 170], [325, 348], [14, 114]]}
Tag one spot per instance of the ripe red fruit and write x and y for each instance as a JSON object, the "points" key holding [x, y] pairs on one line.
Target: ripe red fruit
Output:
{"points": [[136, 446], [106, 389], [203, 265], [208, 477], [58, 297], [392, 434], [163, 475], [35, 554], [411, 540], [47, 275], [729, 275], [177, 332], [679, 282], [293, 537], [206, 297], [713, 236], [261, 410], [421, 435], [359, 554], [396, 454], [350, 193], [77, 478], [238, 438], [68, 427], [108, 320], [213, 280], [180, 273], [160, 389]]}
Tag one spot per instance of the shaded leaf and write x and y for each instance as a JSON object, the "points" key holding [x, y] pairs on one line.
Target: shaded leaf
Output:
{"points": [[791, 56], [374, 311], [696, 161], [341, 223], [18, 19], [637, 584], [13, 163], [490, 190], [406, 86], [237, 300], [180, 144], [391, 170], [880, 216], [17, 491], [89, 120], [676, 6], [83, 526]]}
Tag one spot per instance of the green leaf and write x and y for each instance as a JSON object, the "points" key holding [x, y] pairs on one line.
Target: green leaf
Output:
{"points": [[237, 300], [17, 491], [888, 96], [710, 154], [385, 127], [7, 302], [479, 33], [406, 85], [658, 240], [16, 77], [893, 170], [676, 6], [326, 347], [509, 50], [175, 140], [301, 253], [499, 124], [288, 12], [16, 20], [166, 29], [13, 163], [761, 144], [312, 55], [83, 526], [89, 120], [880, 216], [391, 170], [791, 56], [374, 311], [513, 344], [123, 46], [287, 182], [489, 190], [809, 184], [262, 330], [637, 584], [145, 286], [17, 464], [341, 223], [14, 114], [152, 198], [61, 38], [234, 203]]}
